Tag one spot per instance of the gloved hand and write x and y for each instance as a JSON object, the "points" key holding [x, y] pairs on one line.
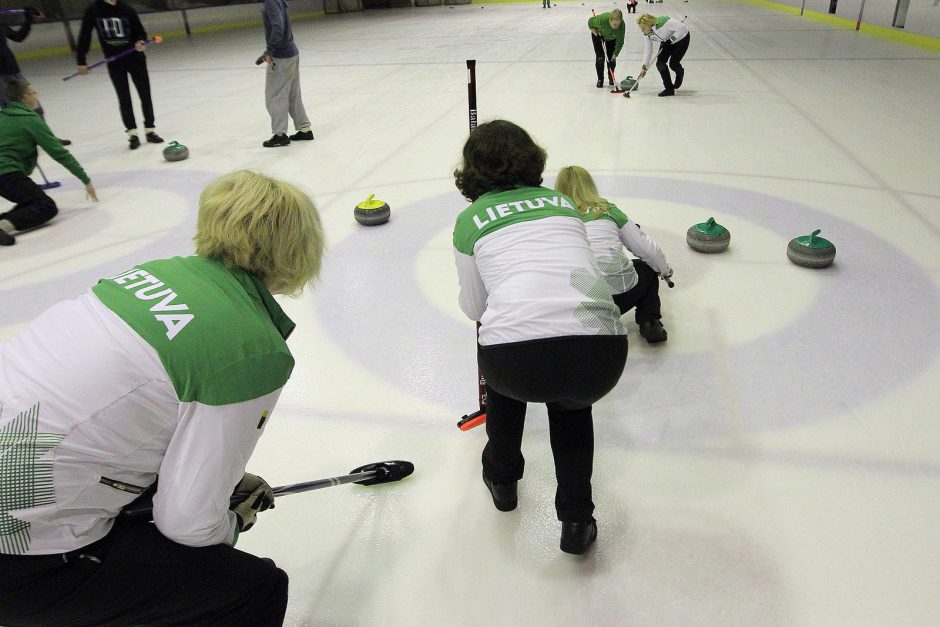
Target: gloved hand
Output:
{"points": [[260, 497]]}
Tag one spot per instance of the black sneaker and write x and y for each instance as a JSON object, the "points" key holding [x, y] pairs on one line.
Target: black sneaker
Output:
{"points": [[133, 142], [153, 138], [276, 141], [667, 92], [653, 331], [302, 136], [600, 83], [6, 239]]}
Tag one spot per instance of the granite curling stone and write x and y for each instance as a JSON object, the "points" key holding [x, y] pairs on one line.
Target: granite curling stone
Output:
{"points": [[372, 212], [811, 251], [708, 237], [175, 151]]}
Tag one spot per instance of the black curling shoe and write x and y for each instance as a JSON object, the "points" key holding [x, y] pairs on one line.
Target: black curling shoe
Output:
{"points": [[653, 332], [667, 92], [600, 83], [133, 142], [302, 136], [504, 494], [153, 138], [577, 537], [276, 141], [6, 239]]}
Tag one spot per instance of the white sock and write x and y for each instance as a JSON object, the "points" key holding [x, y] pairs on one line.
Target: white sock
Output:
{"points": [[7, 226]]}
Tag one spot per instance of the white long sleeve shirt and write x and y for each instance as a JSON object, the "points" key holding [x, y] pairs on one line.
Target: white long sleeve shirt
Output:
{"points": [[666, 29], [170, 369], [526, 270], [608, 233]]}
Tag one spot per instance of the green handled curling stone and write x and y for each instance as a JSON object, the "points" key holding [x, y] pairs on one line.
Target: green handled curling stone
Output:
{"points": [[811, 251], [708, 237], [372, 212], [175, 151]]}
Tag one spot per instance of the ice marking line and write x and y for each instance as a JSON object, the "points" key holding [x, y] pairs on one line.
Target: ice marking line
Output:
{"points": [[427, 356]]}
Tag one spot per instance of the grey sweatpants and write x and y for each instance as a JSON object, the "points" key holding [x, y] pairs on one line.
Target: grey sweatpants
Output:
{"points": [[282, 95]]}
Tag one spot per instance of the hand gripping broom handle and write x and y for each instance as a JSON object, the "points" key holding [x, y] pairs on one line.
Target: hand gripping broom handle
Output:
{"points": [[370, 474], [157, 39]]}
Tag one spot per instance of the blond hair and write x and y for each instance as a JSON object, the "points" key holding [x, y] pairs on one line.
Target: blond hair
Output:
{"points": [[617, 13], [646, 21], [578, 184], [267, 227]]}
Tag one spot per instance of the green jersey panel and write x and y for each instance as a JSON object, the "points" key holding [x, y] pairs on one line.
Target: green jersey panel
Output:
{"points": [[205, 321], [494, 210]]}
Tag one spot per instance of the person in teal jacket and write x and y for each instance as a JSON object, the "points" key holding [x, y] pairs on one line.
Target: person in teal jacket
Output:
{"points": [[607, 33], [21, 131]]}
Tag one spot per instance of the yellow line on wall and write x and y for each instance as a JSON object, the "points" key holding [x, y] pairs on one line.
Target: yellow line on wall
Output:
{"points": [[881, 32]]}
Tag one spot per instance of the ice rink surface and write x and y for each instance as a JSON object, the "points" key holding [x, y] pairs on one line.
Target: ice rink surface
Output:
{"points": [[774, 463]]}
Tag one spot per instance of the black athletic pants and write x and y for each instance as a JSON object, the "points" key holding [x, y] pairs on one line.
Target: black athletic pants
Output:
{"points": [[33, 207], [644, 295], [568, 374], [603, 49], [670, 54], [136, 576], [134, 64]]}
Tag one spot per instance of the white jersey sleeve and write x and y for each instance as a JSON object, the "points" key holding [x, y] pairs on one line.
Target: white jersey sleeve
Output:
{"points": [[643, 246], [198, 475]]}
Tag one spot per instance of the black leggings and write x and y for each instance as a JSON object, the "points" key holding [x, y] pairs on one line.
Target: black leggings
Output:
{"points": [[134, 64], [568, 374], [33, 207], [603, 49], [671, 54], [136, 576]]}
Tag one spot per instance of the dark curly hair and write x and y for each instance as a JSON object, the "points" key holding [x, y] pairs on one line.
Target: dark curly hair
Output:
{"points": [[499, 155]]}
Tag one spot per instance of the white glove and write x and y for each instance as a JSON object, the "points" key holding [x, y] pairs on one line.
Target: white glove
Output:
{"points": [[260, 497]]}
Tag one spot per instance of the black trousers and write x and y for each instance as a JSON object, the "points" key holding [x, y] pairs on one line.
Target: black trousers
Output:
{"points": [[670, 56], [644, 295], [568, 374], [603, 49], [135, 65], [33, 206], [136, 576]]}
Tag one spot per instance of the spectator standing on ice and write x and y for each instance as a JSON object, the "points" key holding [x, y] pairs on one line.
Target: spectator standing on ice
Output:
{"points": [[282, 81]]}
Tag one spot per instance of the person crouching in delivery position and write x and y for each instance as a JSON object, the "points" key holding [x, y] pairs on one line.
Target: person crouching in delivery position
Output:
{"points": [[172, 369], [549, 329]]}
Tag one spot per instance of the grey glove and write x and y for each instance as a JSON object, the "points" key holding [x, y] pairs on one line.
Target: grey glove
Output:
{"points": [[260, 497]]}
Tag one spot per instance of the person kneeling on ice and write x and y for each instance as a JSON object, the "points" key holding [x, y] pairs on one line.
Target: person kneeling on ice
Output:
{"points": [[172, 369], [634, 283], [549, 330], [673, 36], [21, 131]]}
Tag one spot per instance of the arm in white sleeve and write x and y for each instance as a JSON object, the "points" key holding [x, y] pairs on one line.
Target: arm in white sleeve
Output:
{"points": [[647, 52], [204, 461], [643, 246], [473, 293]]}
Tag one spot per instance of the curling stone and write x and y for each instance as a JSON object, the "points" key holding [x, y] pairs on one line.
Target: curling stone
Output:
{"points": [[372, 212], [708, 237], [811, 251], [175, 151]]}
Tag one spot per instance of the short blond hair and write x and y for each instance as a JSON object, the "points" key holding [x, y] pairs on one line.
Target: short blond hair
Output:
{"points": [[617, 13], [578, 184], [267, 227], [646, 20]]}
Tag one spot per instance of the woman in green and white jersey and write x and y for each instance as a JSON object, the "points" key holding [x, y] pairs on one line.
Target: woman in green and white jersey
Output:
{"points": [[170, 369], [673, 37], [549, 330], [635, 283]]}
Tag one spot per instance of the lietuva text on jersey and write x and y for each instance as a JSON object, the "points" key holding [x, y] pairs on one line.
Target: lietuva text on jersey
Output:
{"points": [[505, 210]]}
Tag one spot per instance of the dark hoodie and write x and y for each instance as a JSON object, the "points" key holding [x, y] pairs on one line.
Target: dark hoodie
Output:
{"points": [[118, 28]]}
